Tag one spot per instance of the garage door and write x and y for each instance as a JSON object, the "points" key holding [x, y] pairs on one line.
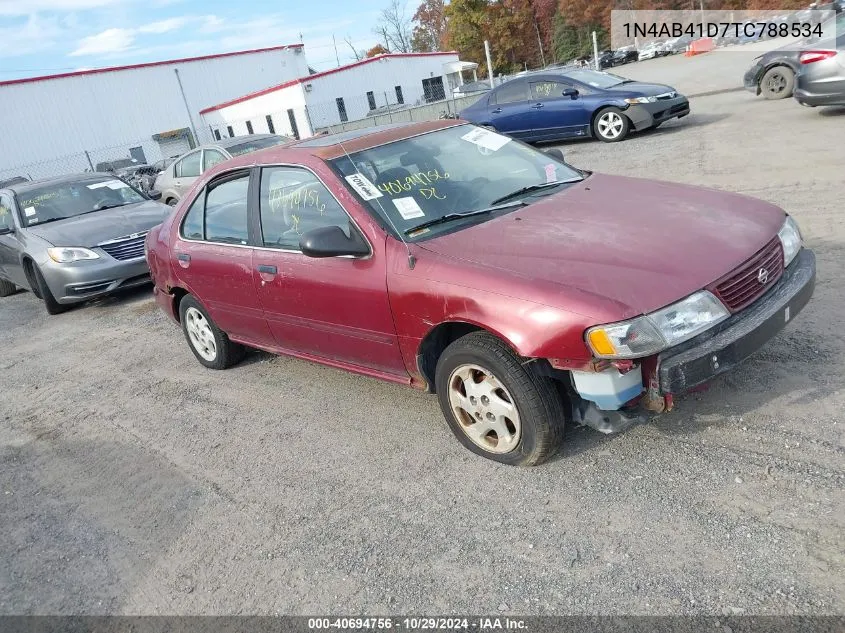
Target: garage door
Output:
{"points": [[174, 146]]}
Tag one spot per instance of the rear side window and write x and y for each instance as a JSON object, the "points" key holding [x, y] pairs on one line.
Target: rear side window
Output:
{"points": [[211, 157], [226, 212], [512, 92], [192, 225]]}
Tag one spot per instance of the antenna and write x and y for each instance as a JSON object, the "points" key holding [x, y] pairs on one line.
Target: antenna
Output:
{"points": [[412, 260]]}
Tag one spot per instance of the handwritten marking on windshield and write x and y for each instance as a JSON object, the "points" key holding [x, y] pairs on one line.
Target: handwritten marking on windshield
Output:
{"points": [[414, 181]]}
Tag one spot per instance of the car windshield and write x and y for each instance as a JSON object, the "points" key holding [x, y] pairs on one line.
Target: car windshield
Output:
{"points": [[61, 200], [595, 78], [254, 145], [457, 172]]}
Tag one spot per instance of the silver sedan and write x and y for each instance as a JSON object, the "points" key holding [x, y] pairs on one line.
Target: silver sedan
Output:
{"points": [[821, 78], [73, 238]]}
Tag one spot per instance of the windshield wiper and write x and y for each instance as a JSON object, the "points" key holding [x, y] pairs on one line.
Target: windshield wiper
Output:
{"points": [[468, 214], [530, 188], [107, 206]]}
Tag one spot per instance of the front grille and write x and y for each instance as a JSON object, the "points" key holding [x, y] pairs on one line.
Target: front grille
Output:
{"points": [[128, 247], [746, 284], [667, 95]]}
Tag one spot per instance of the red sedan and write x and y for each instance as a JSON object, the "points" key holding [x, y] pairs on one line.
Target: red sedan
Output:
{"points": [[526, 293]]}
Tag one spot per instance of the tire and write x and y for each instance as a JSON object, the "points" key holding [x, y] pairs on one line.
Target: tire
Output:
{"points": [[53, 306], [615, 123], [171, 202], [534, 430], [7, 288], [209, 343], [777, 83]]}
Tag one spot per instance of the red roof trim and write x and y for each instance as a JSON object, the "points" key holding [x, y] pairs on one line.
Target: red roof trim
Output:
{"points": [[339, 69], [95, 71]]}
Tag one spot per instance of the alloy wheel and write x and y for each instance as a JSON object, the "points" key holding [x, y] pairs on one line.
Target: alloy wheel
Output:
{"points": [[200, 334], [610, 125]]}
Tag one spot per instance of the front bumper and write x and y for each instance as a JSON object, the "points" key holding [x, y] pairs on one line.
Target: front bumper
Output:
{"points": [[723, 347], [646, 115], [751, 79], [83, 280]]}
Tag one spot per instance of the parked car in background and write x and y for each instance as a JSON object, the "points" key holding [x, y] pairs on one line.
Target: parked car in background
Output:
{"points": [[14, 180], [625, 55], [73, 238], [605, 59], [652, 50], [545, 106], [114, 165], [454, 259], [773, 73], [176, 179], [677, 44], [821, 80]]}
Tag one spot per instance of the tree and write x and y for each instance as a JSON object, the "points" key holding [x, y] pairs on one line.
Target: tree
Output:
{"points": [[467, 21], [359, 55], [378, 49], [429, 26], [394, 28]]}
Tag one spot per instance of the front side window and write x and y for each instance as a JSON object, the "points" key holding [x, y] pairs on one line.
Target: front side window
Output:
{"points": [[211, 157], [189, 167], [68, 198], [512, 92], [462, 169], [294, 201]]}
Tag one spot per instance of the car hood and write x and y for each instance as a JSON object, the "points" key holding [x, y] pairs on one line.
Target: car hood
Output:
{"points": [[641, 243], [641, 89], [92, 228]]}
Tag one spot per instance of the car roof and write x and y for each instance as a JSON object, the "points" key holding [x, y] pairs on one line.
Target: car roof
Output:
{"points": [[23, 187], [237, 140]]}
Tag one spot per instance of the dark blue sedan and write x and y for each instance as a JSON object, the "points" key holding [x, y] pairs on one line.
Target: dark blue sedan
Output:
{"points": [[576, 102]]}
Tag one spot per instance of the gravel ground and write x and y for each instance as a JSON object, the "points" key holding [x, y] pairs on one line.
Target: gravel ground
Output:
{"points": [[136, 482]]}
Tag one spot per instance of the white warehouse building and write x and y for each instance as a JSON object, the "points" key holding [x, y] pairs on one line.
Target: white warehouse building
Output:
{"points": [[305, 105], [73, 121]]}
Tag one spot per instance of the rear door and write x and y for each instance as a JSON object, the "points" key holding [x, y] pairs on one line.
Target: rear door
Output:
{"points": [[335, 307], [508, 108], [212, 256], [553, 115]]}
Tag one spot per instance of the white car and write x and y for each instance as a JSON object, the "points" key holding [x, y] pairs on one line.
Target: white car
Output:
{"points": [[650, 51]]}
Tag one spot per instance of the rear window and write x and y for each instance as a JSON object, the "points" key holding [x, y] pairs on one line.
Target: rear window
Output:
{"points": [[254, 145]]}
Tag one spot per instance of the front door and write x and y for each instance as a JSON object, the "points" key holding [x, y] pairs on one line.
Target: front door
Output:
{"points": [[214, 260], [335, 307], [553, 115], [186, 171]]}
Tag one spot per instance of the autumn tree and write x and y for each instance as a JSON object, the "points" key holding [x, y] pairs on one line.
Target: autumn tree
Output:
{"points": [[378, 49], [467, 25], [429, 22]]}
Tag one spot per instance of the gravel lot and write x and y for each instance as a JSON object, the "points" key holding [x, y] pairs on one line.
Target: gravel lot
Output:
{"points": [[134, 481]]}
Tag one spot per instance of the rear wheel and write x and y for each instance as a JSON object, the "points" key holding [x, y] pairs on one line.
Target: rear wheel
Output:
{"points": [[171, 202], [7, 288], [610, 125], [777, 83], [209, 343], [497, 406]]}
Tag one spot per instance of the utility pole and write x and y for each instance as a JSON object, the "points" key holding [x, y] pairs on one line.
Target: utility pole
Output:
{"points": [[596, 51], [489, 64], [187, 107], [539, 43]]}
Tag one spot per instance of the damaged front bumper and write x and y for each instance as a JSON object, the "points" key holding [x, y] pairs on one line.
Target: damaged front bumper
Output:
{"points": [[721, 348]]}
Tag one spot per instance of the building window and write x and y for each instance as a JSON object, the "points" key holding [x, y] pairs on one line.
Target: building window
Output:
{"points": [[270, 127], [231, 131], [249, 127], [341, 109], [399, 97], [217, 135], [294, 128], [371, 99]]}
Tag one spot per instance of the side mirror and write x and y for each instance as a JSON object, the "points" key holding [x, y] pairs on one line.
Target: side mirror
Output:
{"points": [[331, 241], [554, 152], [154, 194], [572, 93]]}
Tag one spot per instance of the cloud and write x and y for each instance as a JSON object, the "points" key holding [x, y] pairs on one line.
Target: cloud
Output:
{"points": [[36, 34], [105, 42], [30, 7], [165, 26]]}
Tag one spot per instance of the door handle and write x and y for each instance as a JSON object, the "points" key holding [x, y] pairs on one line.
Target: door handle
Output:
{"points": [[496, 111], [267, 273], [537, 106], [184, 259], [269, 270]]}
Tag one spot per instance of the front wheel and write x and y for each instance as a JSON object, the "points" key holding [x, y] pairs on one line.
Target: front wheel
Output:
{"points": [[209, 343], [777, 83], [497, 406], [610, 125], [53, 306]]}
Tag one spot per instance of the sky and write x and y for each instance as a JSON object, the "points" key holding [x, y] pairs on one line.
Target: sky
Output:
{"points": [[43, 37]]}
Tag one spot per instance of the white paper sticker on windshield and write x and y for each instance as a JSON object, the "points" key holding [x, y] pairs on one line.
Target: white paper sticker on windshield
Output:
{"points": [[111, 184], [486, 139], [551, 173], [408, 208], [29, 211], [364, 187]]}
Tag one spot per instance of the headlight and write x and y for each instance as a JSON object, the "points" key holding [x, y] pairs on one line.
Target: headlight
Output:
{"points": [[641, 100], [649, 334], [790, 239], [67, 254]]}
